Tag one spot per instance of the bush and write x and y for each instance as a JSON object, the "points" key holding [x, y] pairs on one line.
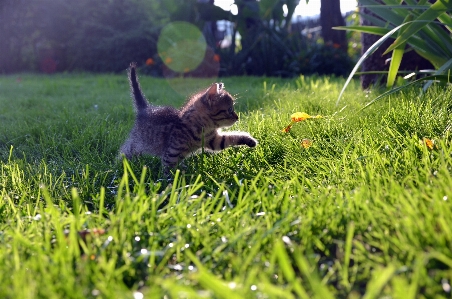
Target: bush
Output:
{"points": [[83, 35]]}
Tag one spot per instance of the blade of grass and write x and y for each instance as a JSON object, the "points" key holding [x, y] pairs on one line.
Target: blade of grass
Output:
{"points": [[379, 279], [287, 270], [210, 282], [441, 78], [347, 254]]}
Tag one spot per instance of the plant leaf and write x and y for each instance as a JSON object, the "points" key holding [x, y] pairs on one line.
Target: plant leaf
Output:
{"points": [[435, 10], [440, 71], [396, 59], [369, 51], [366, 29]]}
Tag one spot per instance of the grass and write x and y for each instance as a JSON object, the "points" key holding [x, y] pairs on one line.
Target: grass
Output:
{"points": [[364, 212]]}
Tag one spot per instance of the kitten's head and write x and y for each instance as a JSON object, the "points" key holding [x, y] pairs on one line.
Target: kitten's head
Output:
{"points": [[220, 105]]}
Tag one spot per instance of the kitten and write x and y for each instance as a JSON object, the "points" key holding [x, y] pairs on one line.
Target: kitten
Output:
{"points": [[173, 134]]}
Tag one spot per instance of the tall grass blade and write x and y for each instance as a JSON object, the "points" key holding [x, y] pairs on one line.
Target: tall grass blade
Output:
{"points": [[210, 282], [379, 279], [287, 270], [439, 78]]}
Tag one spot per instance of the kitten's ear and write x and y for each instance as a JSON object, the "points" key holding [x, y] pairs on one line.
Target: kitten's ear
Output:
{"points": [[212, 92], [215, 89]]}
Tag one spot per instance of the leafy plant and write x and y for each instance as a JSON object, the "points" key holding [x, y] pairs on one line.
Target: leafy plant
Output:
{"points": [[425, 27]]}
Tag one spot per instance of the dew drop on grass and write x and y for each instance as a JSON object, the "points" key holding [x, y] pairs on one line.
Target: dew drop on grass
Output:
{"points": [[224, 239], [137, 239], [295, 222], [95, 292], [446, 286], [177, 267], [445, 197], [170, 245], [144, 251], [226, 196], [108, 241], [253, 287], [286, 240], [138, 295], [232, 285], [188, 225], [37, 217]]}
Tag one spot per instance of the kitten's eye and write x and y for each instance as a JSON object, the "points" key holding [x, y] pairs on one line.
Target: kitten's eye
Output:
{"points": [[230, 110]]}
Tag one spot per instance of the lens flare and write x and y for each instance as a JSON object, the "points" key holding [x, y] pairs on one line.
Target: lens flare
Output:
{"points": [[181, 46]]}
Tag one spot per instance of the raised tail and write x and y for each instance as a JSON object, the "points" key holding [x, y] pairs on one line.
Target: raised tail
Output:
{"points": [[138, 98]]}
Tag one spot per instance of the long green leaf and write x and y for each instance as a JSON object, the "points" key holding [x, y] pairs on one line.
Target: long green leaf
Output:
{"points": [[369, 51], [446, 20], [435, 10], [396, 59], [366, 29], [423, 47], [408, 7], [422, 43], [445, 67], [374, 20], [389, 15]]}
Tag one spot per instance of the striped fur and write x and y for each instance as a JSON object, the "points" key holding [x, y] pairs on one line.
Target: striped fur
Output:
{"points": [[173, 134]]}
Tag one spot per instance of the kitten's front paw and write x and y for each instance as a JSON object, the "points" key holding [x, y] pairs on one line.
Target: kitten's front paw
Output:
{"points": [[251, 142]]}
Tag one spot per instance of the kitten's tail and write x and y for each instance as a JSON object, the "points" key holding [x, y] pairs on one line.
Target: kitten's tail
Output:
{"points": [[140, 101]]}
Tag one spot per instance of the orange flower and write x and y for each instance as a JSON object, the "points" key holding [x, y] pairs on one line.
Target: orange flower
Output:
{"points": [[149, 61], [168, 60], [429, 143], [305, 143], [286, 129], [301, 116], [216, 58], [297, 117]]}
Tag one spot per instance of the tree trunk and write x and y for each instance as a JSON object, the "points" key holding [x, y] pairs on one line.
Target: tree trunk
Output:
{"points": [[330, 16]]}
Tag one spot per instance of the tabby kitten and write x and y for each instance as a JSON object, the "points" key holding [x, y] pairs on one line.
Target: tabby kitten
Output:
{"points": [[173, 134]]}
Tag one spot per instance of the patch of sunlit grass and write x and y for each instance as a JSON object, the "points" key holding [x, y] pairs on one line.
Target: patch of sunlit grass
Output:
{"points": [[343, 206]]}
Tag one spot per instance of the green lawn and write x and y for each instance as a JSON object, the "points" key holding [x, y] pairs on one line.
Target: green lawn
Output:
{"points": [[363, 212]]}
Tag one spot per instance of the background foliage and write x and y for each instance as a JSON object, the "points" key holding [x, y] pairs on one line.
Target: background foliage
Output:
{"points": [[425, 26], [50, 36]]}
